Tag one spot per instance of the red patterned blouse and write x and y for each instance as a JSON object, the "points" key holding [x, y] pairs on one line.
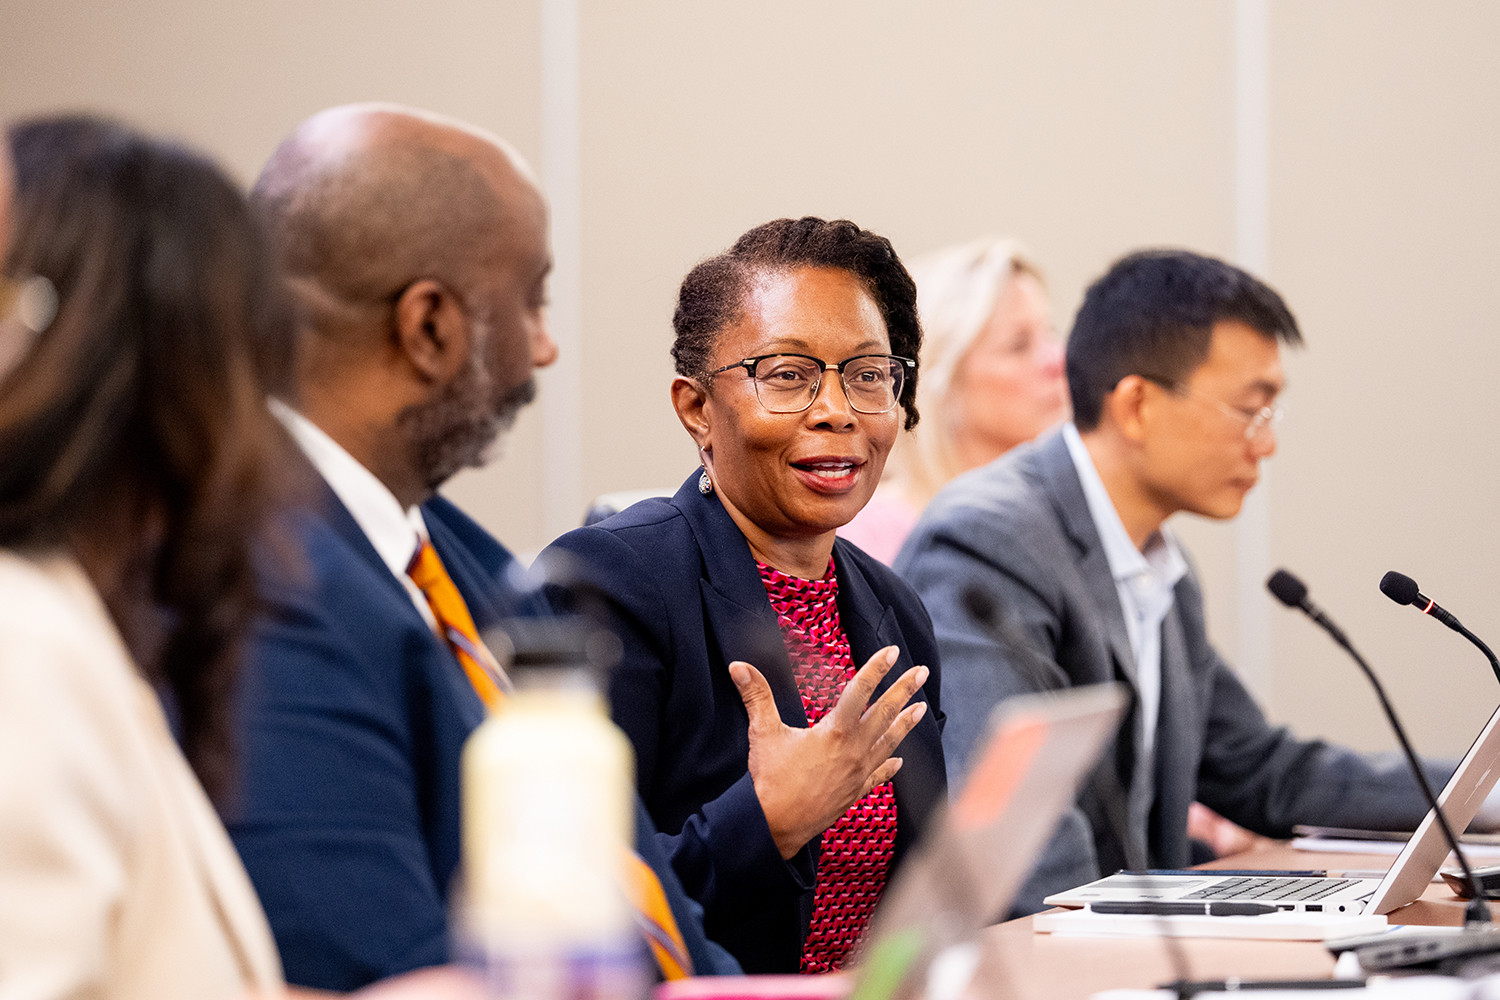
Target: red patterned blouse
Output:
{"points": [[856, 850]]}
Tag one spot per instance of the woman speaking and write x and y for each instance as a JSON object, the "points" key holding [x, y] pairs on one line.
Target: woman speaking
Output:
{"points": [[779, 685]]}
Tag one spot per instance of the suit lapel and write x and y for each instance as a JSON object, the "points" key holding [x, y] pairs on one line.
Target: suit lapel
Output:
{"points": [[482, 599], [223, 880], [747, 634], [869, 623], [337, 517], [872, 624], [1125, 791], [1176, 757], [1094, 573], [233, 898], [485, 596], [481, 594], [738, 614]]}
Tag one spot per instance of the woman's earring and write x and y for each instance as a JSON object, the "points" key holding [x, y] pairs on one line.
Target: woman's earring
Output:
{"points": [[705, 485]]}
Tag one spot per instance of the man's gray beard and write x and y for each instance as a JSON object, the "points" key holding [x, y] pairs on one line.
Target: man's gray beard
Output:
{"points": [[457, 429]]}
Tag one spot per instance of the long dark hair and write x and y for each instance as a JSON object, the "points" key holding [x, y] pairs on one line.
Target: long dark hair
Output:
{"points": [[134, 429]]}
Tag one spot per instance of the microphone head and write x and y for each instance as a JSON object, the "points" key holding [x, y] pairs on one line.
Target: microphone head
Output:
{"points": [[1399, 587], [1287, 589]]}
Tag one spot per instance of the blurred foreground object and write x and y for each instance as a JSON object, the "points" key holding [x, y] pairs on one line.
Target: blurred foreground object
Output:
{"points": [[547, 814]]}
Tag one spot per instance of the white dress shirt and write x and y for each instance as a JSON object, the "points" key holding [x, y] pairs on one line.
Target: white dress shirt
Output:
{"points": [[1144, 580], [394, 533]]}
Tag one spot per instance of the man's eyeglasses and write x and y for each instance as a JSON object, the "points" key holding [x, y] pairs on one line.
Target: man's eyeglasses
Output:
{"points": [[788, 383], [1254, 421]]}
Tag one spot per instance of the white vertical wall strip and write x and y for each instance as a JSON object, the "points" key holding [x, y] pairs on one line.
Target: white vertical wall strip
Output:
{"points": [[560, 398], [1252, 197]]}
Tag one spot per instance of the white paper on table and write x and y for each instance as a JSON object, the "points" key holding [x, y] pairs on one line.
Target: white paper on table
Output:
{"points": [[1415, 987], [1265, 926], [1335, 845], [1403, 988]]}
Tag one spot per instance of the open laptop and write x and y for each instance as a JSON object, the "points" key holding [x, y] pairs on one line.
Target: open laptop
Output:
{"points": [[975, 855], [971, 859], [1407, 878]]}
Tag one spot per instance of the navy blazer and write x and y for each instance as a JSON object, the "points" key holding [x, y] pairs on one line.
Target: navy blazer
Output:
{"points": [[682, 587], [354, 717]]}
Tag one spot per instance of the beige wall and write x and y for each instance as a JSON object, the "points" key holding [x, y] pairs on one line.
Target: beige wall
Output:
{"points": [[1086, 128], [235, 78], [927, 129], [1386, 239]]}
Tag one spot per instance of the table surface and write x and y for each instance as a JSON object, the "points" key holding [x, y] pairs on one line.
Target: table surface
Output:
{"points": [[1019, 963]]}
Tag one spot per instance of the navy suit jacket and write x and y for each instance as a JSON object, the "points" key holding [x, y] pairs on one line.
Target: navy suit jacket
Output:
{"points": [[681, 585], [354, 717]]}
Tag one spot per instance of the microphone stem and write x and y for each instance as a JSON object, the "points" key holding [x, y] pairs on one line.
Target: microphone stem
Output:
{"points": [[1494, 663], [1477, 910]]}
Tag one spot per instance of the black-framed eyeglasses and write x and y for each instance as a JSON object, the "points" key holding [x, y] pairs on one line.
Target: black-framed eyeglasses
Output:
{"points": [[1263, 419], [788, 383]]}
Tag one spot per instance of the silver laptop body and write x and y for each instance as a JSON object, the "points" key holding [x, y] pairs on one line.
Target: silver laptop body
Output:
{"points": [[1406, 880]]}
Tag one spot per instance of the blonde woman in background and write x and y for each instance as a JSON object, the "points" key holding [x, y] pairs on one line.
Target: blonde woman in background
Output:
{"points": [[992, 378]]}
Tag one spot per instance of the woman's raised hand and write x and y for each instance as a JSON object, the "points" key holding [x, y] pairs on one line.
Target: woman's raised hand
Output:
{"points": [[807, 778]]}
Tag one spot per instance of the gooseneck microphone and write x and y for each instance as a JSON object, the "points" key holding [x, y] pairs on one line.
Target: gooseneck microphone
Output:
{"points": [[1404, 590], [981, 605], [1103, 780], [1045, 676], [1293, 593]]}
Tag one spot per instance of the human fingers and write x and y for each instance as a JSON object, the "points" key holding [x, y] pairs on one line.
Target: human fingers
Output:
{"points": [[858, 691], [885, 772], [760, 704], [889, 705], [890, 738]]}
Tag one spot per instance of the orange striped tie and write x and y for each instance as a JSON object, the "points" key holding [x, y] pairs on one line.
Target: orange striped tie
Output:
{"points": [[457, 626], [653, 913]]}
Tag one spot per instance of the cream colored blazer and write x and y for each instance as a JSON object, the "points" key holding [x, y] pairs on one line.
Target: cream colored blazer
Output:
{"points": [[116, 877]]}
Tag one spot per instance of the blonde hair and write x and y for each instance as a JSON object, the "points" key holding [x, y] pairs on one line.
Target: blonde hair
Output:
{"points": [[958, 289]]}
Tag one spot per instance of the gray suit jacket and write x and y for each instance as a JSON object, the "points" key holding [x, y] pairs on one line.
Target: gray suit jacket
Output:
{"points": [[1011, 568]]}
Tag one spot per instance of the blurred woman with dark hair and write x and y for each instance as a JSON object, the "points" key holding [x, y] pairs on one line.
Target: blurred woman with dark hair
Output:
{"points": [[136, 444], [764, 755]]}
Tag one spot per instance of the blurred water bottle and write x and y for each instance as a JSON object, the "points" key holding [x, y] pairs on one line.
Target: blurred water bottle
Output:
{"points": [[548, 820]]}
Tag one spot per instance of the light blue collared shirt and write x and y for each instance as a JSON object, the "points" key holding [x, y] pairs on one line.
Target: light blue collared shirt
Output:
{"points": [[1144, 580]]}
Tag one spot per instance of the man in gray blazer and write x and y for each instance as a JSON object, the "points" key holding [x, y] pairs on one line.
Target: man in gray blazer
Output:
{"points": [[1049, 568]]}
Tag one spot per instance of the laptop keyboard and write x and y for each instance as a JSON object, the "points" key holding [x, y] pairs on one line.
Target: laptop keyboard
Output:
{"points": [[1272, 889]]}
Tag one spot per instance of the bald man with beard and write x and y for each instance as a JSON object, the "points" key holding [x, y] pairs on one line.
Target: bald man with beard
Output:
{"points": [[417, 251]]}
